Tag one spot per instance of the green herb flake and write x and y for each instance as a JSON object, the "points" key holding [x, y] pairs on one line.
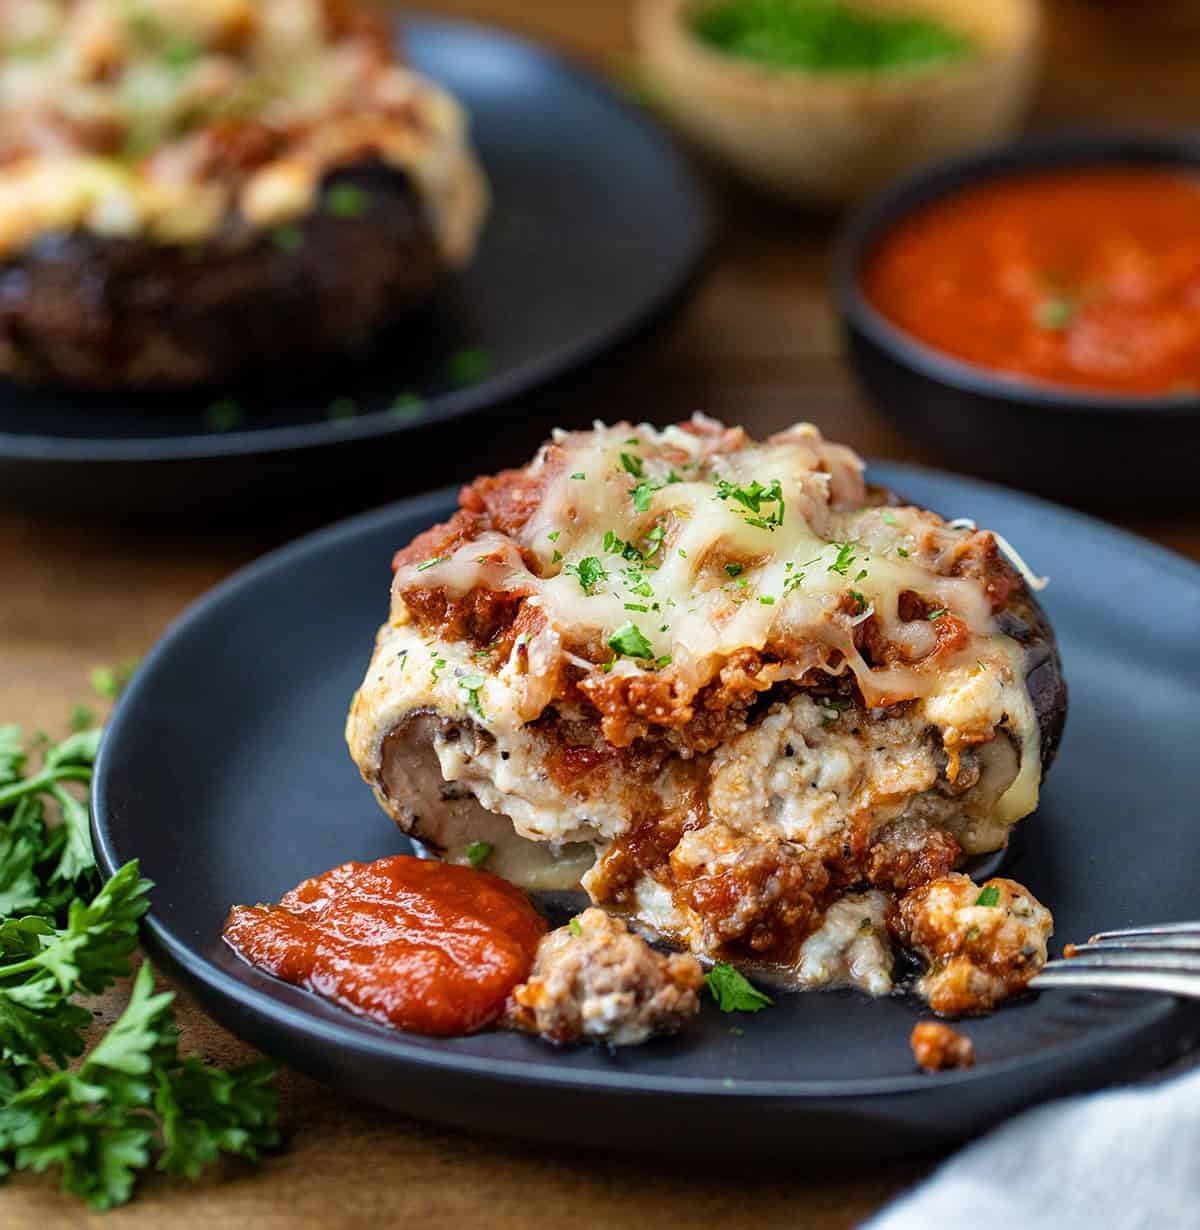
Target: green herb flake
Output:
{"points": [[438, 665], [478, 852], [859, 601], [629, 641], [733, 992], [889, 517], [553, 535], [589, 571], [287, 238], [471, 684], [223, 415], [636, 606], [575, 927], [633, 465], [902, 552], [407, 407], [989, 895], [766, 599], [734, 570], [1055, 314], [579, 476], [468, 366], [432, 562], [347, 201], [845, 557], [752, 498], [936, 613]]}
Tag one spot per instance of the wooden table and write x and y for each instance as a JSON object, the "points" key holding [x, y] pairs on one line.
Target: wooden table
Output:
{"points": [[756, 343]]}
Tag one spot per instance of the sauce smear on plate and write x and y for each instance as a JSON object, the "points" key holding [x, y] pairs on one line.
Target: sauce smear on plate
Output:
{"points": [[1088, 278], [429, 947]]}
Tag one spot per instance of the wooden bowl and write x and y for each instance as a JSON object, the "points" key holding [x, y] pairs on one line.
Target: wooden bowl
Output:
{"points": [[831, 138]]}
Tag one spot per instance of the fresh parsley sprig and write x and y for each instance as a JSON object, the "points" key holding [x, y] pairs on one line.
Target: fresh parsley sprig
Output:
{"points": [[134, 1101]]}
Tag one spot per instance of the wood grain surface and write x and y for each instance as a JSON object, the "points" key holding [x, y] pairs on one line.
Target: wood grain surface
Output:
{"points": [[755, 343]]}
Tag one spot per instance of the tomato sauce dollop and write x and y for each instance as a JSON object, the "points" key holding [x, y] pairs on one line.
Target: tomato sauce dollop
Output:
{"points": [[1088, 278], [429, 947]]}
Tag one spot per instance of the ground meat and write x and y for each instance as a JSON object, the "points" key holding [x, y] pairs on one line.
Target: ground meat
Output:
{"points": [[938, 1048], [910, 853], [596, 980], [760, 894], [983, 945]]}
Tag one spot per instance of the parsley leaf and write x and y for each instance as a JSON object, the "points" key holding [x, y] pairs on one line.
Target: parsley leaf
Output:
{"points": [[575, 926], [589, 571], [633, 465], [347, 201], [845, 557], [471, 684], [752, 498], [478, 852], [628, 640], [989, 895], [733, 992]]}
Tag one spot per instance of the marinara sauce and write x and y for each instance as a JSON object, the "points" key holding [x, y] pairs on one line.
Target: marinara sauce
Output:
{"points": [[1088, 278], [429, 947]]}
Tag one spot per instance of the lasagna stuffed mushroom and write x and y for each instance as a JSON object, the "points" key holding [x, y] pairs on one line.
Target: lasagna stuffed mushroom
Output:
{"points": [[196, 191], [755, 707]]}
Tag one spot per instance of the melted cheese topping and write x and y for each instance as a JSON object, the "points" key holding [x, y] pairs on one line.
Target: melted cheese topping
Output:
{"points": [[646, 562], [173, 119]]}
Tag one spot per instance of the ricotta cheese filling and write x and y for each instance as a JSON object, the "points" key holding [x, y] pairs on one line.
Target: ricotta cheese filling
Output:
{"points": [[660, 573], [174, 121]]}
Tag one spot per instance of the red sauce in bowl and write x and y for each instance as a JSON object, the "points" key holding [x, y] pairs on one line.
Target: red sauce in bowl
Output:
{"points": [[429, 947], [1088, 278]]}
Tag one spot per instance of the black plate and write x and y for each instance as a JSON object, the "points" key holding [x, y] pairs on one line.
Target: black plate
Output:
{"points": [[224, 771], [597, 225]]}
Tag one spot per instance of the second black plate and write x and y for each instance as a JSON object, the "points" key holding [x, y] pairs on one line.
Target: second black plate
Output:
{"points": [[597, 224], [225, 771]]}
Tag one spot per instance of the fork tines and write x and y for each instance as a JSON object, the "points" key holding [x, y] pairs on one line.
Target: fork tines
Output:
{"points": [[1163, 958]]}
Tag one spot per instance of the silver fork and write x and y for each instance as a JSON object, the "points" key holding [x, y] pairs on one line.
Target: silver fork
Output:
{"points": [[1164, 958]]}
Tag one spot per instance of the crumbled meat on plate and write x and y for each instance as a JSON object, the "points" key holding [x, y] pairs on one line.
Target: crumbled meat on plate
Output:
{"points": [[594, 979], [938, 1048], [983, 945]]}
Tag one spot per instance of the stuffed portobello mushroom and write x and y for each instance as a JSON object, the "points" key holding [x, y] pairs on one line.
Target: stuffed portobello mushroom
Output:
{"points": [[196, 192], [753, 706]]}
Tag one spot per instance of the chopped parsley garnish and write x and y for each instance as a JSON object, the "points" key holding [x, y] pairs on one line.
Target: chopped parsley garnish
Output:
{"points": [[556, 557], [223, 415], [618, 546], [407, 407], [468, 366], [439, 664], [988, 896], [654, 540], [790, 582], [432, 562], [733, 992], [889, 517], [682, 553], [180, 53], [633, 465], [734, 570], [287, 238], [478, 852], [766, 599], [973, 933], [752, 498], [665, 660], [859, 600], [629, 641], [347, 201], [471, 684], [845, 557], [1055, 314], [579, 475], [590, 572], [108, 682], [641, 494], [575, 927], [936, 613], [636, 606], [900, 551], [862, 572], [553, 535], [867, 924]]}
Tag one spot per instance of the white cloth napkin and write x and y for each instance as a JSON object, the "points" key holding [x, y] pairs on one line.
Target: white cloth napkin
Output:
{"points": [[1122, 1160]]}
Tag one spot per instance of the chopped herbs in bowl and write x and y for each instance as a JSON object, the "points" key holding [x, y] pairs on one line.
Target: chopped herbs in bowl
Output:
{"points": [[827, 35], [822, 102]]}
